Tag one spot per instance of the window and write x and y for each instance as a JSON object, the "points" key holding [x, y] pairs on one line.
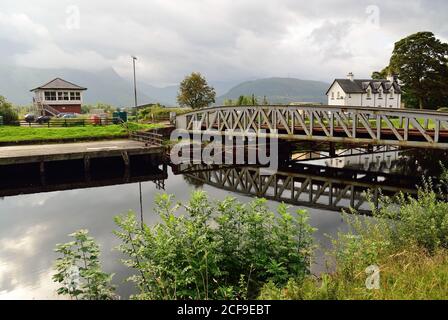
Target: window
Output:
{"points": [[50, 95], [339, 95], [369, 93], [392, 93], [75, 96], [332, 96], [349, 95], [380, 94], [60, 96], [66, 96]]}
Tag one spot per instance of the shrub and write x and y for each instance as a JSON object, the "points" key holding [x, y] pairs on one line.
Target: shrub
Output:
{"points": [[79, 270], [422, 221], [7, 111], [222, 250]]}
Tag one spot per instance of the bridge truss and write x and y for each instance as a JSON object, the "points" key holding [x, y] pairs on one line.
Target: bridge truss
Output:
{"points": [[361, 125], [306, 185]]}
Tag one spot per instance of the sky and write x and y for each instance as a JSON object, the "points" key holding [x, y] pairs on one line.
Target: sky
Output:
{"points": [[223, 39]]}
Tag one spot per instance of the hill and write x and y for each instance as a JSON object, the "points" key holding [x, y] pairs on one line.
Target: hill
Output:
{"points": [[279, 90]]}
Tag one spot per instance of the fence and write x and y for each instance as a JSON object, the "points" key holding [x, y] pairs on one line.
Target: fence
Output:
{"points": [[149, 138], [70, 122]]}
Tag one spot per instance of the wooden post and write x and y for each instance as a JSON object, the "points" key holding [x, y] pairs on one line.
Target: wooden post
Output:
{"points": [[127, 169], [42, 172], [87, 168]]}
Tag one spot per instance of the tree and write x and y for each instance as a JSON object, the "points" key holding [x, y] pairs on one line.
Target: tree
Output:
{"points": [[376, 75], [421, 62], [194, 92], [7, 111]]}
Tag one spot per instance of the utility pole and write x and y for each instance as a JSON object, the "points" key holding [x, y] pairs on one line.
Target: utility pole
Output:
{"points": [[135, 106], [135, 83]]}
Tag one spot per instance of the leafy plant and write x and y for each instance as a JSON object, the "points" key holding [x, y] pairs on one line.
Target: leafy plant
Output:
{"points": [[79, 270], [221, 250]]}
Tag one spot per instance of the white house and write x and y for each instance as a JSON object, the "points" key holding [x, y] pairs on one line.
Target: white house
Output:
{"points": [[381, 93]]}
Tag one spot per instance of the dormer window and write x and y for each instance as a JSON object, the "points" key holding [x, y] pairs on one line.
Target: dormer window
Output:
{"points": [[369, 93]]}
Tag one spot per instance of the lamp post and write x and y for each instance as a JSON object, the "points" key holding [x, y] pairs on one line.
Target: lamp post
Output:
{"points": [[134, 58], [135, 81]]}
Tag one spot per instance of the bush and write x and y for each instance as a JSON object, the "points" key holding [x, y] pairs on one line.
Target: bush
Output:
{"points": [[158, 111], [215, 250], [7, 111], [422, 221], [79, 271], [222, 250]]}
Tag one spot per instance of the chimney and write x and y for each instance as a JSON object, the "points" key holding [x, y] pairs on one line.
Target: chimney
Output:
{"points": [[350, 76], [392, 78]]}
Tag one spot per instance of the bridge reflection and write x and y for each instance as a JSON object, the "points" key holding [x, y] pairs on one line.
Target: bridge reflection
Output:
{"points": [[303, 184]]}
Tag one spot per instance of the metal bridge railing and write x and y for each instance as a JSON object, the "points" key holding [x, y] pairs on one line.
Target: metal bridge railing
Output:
{"points": [[380, 126]]}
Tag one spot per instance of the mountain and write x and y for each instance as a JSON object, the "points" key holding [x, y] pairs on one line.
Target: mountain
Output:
{"points": [[103, 86], [168, 95], [279, 90]]}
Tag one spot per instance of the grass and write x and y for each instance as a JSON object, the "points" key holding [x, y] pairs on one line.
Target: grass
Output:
{"points": [[407, 242], [410, 274], [20, 134]]}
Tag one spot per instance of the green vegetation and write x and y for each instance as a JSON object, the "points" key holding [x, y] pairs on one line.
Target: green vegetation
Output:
{"points": [[79, 270], [195, 93], [108, 108], [216, 250], [7, 111], [421, 60], [407, 241], [246, 101], [18, 134], [159, 112], [227, 250]]}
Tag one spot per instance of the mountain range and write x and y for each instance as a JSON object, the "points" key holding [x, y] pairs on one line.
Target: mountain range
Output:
{"points": [[109, 87]]}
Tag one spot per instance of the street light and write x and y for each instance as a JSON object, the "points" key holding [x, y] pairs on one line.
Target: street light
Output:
{"points": [[135, 106], [135, 82]]}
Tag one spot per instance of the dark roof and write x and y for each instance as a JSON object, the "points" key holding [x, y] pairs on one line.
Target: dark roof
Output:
{"points": [[361, 85], [59, 83]]}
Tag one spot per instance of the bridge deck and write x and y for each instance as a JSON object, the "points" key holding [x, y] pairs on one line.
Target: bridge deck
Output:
{"points": [[72, 151]]}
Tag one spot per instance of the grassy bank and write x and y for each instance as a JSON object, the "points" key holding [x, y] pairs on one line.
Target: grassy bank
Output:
{"points": [[407, 245], [11, 134]]}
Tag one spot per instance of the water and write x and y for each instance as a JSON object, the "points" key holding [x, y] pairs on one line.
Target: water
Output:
{"points": [[32, 224]]}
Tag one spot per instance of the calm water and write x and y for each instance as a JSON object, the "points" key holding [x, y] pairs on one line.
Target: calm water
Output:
{"points": [[31, 225]]}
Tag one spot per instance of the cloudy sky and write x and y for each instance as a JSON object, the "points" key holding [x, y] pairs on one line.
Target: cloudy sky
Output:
{"points": [[225, 40]]}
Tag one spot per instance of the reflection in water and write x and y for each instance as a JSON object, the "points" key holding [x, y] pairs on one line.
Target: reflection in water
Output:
{"points": [[32, 224]]}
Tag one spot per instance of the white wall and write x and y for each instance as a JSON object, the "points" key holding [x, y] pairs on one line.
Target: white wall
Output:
{"points": [[334, 89]]}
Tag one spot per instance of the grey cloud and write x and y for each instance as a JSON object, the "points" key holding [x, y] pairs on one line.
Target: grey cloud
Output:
{"points": [[226, 40]]}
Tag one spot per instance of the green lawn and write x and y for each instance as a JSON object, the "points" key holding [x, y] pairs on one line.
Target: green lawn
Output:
{"points": [[17, 134]]}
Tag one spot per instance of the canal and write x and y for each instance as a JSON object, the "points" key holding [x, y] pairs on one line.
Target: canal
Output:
{"points": [[32, 223]]}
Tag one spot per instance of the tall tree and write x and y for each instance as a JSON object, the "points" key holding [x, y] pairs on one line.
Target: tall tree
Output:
{"points": [[194, 92], [421, 62]]}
